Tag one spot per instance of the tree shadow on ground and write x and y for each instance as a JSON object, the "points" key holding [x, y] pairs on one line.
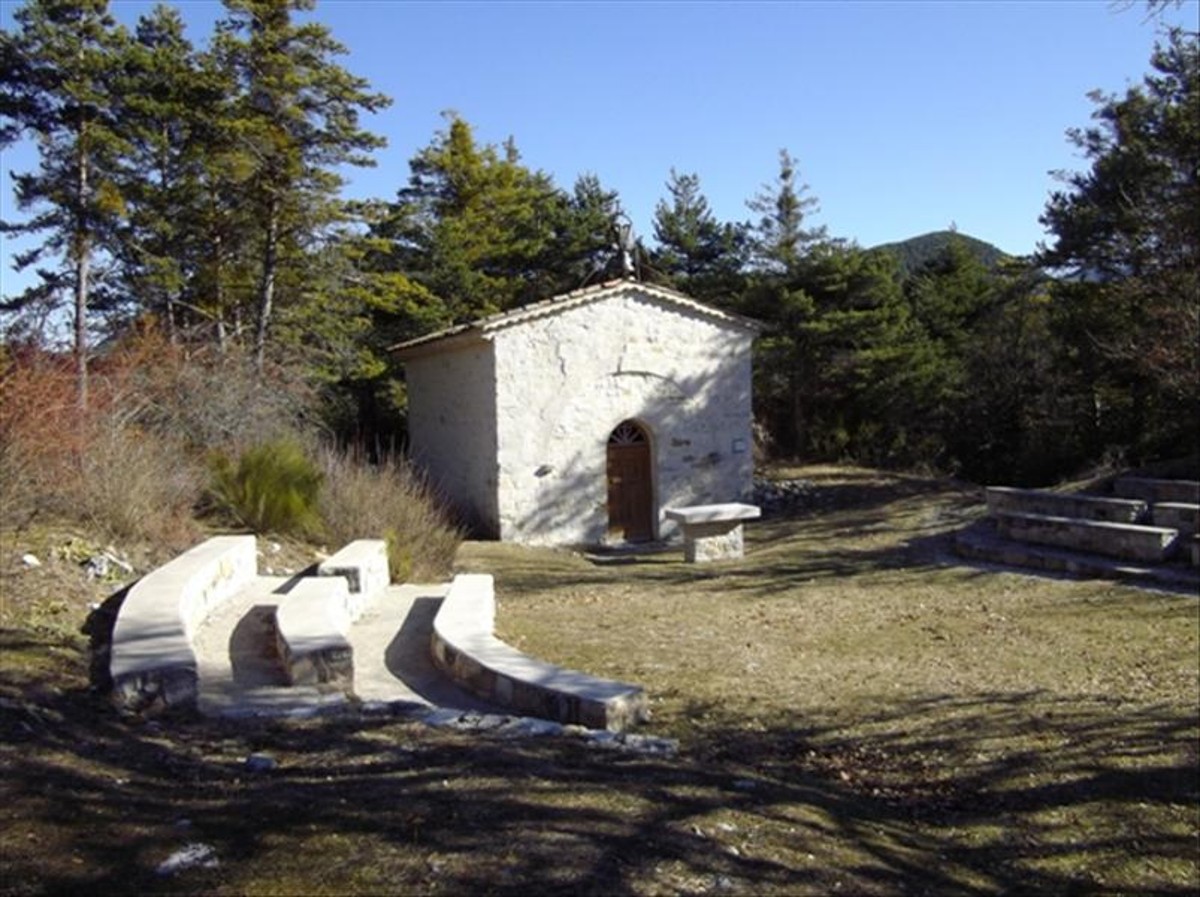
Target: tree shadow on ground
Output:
{"points": [[973, 795]]}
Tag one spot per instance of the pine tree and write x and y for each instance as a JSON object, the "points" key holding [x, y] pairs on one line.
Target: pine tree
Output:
{"points": [[57, 83], [299, 116], [1127, 235], [168, 108], [780, 237], [474, 226], [696, 253]]}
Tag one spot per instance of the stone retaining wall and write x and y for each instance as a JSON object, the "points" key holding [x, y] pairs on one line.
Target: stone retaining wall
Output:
{"points": [[1120, 540], [1058, 504]]}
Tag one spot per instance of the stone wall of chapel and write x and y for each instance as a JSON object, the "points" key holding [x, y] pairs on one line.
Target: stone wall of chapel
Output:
{"points": [[452, 426], [563, 382]]}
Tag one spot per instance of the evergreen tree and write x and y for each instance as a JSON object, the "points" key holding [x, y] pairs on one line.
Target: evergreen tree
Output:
{"points": [[474, 226], [166, 109], [780, 237], [695, 252], [57, 75], [299, 116], [584, 249], [1127, 235]]}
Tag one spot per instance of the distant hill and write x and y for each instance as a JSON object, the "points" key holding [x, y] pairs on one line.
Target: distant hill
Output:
{"points": [[916, 251]]}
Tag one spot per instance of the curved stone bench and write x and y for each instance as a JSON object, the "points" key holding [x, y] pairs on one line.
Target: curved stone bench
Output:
{"points": [[152, 656], [312, 622], [465, 648]]}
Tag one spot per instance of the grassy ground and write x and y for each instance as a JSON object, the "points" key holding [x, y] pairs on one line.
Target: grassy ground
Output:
{"points": [[857, 713]]}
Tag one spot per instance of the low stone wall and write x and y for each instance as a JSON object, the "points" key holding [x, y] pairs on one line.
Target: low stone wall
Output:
{"points": [[1119, 540], [312, 624], [152, 657], [1183, 516], [465, 648], [1154, 491], [1058, 504]]}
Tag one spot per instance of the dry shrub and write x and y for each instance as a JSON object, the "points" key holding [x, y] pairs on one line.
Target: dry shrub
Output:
{"points": [[388, 500], [136, 484], [95, 465]]}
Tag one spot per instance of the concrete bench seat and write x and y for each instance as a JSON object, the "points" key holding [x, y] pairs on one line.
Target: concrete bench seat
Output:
{"points": [[364, 565], [1157, 490], [712, 532], [1058, 504], [465, 648], [1121, 540], [312, 623], [1183, 516], [152, 652]]}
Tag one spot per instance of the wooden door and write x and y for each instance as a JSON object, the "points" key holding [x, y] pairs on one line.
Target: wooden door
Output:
{"points": [[630, 484]]}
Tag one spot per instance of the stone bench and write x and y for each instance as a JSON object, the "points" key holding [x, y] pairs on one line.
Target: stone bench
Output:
{"points": [[1121, 540], [364, 565], [1057, 504], [1183, 516], [152, 654], [465, 648], [312, 623], [1154, 491], [712, 532]]}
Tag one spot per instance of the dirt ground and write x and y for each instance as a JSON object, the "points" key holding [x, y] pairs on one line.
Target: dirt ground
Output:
{"points": [[857, 710]]}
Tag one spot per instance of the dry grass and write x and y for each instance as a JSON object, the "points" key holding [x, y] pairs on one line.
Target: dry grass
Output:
{"points": [[855, 716], [388, 500]]}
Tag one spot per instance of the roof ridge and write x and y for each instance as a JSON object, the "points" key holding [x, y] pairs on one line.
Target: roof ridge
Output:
{"points": [[562, 301]]}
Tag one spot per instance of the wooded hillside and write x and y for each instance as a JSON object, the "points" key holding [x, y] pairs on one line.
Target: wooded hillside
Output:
{"points": [[194, 190]]}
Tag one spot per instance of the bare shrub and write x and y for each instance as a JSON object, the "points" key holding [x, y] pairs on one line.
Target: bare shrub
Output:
{"points": [[388, 500], [94, 465], [212, 399], [135, 484]]}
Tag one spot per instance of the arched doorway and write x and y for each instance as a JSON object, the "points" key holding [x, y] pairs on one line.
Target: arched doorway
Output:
{"points": [[630, 483]]}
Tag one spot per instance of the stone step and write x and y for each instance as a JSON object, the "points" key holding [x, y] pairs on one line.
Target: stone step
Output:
{"points": [[271, 701], [1059, 504], [1156, 490], [981, 543], [1128, 541], [1183, 516]]}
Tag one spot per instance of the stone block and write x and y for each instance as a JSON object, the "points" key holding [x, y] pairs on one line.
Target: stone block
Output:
{"points": [[712, 532], [311, 624]]}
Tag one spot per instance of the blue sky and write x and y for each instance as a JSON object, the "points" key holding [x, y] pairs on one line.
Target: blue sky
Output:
{"points": [[903, 116]]}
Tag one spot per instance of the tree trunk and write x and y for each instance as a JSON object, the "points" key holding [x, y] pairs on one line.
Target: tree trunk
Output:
{"points": [[82, 251], [266, 292]]}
